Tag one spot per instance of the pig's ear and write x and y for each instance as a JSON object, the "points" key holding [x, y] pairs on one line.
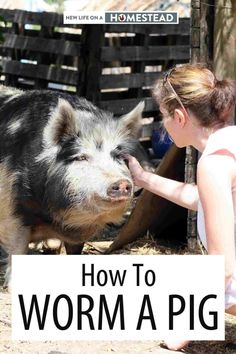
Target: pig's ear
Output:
{"points": [[132, 121], [62, 123]]}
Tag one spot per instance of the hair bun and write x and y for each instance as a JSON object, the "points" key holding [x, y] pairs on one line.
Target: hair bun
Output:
{"points": [[221, 83], [223, 98]]}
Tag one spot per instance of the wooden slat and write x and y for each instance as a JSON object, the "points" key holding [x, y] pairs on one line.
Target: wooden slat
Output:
{"points": [[129, 80], [33, 33], [119, 107], [137, 53], [47, 19], [44, 72], [195, 18], [195, 55], [14, 41], [146, 131], [182, 28], [195, 4], [195, 42], [71, 37]]}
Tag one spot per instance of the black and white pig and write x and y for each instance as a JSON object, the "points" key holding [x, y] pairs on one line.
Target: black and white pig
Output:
{"points": [[62, 168]]}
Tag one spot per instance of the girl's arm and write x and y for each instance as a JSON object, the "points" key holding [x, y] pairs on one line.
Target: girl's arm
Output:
{"points": [[183, 194], [215, 175]]}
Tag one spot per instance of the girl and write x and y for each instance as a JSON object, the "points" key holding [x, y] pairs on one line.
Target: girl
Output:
{"points": [[196, 110]]}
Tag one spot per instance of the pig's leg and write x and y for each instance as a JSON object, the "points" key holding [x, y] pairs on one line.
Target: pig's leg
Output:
{"points": [[45, 231], [14, 237], [74, 239], [74, 249], [15, 242]]}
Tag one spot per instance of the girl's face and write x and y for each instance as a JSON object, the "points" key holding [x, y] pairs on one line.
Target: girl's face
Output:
{"points": [[175, 126]]}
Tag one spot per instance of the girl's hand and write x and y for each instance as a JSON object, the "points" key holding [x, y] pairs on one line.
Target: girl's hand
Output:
{"points": [[137, 172]]}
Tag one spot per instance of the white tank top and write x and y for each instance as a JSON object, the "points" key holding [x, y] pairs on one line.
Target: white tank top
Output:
{"points": [[202, 230], [222, 139]]}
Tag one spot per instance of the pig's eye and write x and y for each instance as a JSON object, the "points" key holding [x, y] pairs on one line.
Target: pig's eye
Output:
{"points": [[80, 158], [118, 154], [119, 157]]}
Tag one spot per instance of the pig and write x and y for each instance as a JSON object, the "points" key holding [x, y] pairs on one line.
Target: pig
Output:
{"points": [[63, 172]]}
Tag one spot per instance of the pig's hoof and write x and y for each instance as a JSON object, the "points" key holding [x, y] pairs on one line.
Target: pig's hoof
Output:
{"points": [[7, 287], [7, 280]]}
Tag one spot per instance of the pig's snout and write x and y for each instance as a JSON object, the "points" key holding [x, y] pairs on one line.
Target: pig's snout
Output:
{"points": [[121, 189]]}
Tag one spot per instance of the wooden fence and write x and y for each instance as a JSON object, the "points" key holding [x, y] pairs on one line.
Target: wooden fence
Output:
{"points": [[114, 66]]}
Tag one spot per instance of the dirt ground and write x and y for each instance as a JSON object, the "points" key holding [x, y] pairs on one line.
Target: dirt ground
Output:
{"points": [[144, 246]]}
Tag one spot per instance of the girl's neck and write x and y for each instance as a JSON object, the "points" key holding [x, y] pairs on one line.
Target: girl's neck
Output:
{"points": [[202, 135]]}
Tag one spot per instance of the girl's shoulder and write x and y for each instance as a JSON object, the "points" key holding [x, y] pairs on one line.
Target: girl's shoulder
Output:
{"points": [[222, 140]]}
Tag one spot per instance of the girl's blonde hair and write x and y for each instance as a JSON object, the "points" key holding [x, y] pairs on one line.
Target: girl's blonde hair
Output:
{"points": [[209, 99]]}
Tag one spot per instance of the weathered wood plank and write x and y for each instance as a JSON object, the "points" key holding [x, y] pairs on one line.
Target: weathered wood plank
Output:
{"points": [[44, 72], [195, 4], [195, 55], [181, 29], [207, 31], [195, 39], [119, 107], [137, 53], [195, 18], [67, 36], [224, 42], [90, 65], [146, 131], [47, 19], [14, 41], [191, 153], [129, 80]]}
